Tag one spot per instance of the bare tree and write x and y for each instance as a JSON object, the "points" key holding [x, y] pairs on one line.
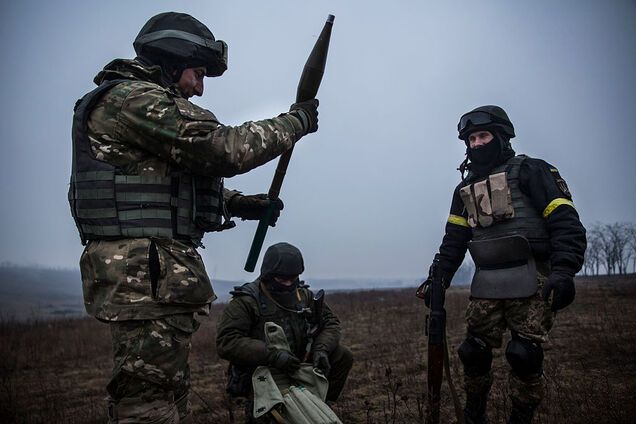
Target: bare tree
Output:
{"points": [[631, 243], [619, 233], [593, 253]]}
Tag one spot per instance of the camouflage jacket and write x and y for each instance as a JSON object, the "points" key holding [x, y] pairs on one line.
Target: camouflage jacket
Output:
{"points": [[240, 331], [145, 128]]}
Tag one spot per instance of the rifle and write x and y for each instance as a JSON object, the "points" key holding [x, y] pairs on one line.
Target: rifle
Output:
{"points": [[315, 322], [307, 90], [433, 292]]}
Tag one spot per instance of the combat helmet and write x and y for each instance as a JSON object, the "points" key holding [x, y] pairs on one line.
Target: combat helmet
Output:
{"points": [[485, 117], [181, 40], [282, 259]]}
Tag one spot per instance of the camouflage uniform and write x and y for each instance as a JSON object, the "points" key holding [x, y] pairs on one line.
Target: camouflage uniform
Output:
{"points": [[488, 319], [147, 128]]}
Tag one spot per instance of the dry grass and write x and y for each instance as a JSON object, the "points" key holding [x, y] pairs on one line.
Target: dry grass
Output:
{"points": [[56, 371]]}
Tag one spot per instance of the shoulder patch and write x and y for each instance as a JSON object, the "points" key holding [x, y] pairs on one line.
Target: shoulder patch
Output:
{"points": [[560, 182]]}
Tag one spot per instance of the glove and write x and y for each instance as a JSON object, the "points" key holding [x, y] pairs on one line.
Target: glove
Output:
{"points": [[283, 360], [307, 113], [254, 206], [321, 361], [424, 290], [563, 286]]}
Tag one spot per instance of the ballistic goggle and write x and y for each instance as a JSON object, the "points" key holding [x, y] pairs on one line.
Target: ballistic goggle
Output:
{"points": [[478, 118], [217, 47]]}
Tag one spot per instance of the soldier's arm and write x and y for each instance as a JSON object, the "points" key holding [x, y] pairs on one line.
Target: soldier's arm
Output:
{"points": [[190, 136], [456, 237], [233, 342], [329, 336], [552, 198]]}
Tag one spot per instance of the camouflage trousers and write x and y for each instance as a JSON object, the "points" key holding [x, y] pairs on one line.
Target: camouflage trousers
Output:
{"points": [[531, 318], [151, 377]]}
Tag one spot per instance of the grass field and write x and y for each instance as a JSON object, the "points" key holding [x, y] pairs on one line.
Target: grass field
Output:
{"points": [[56, 371]]}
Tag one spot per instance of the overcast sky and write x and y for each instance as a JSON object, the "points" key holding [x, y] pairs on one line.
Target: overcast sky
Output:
{"points": [[369, 193]]}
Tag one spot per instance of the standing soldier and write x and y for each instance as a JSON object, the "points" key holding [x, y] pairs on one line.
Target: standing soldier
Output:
{"points": [[278, 295], [515, 215], [146, 184]]}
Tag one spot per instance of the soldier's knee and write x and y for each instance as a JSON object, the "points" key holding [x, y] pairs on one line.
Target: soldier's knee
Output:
{"points": [[342, 358], [347, 356], [525, 356], [476, 356]]}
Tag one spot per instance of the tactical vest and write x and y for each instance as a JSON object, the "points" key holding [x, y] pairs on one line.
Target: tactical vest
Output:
{"points": [[497, 207], [295, 324], [108, 204], [507, 234]]}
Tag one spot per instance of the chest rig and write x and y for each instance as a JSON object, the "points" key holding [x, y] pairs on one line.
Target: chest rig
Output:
{"points": [[108, 204], [505, 226], [293, 314]]}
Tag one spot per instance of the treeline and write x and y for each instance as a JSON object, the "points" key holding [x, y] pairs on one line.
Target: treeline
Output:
{"points": [[610, 248]]}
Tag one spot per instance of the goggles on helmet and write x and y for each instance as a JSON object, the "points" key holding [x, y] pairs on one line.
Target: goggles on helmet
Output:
{"points": [[477, 119], [218, 47]]}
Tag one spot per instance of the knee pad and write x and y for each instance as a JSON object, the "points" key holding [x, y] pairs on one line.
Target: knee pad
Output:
{"points": [[524, 356], [476, 356]]}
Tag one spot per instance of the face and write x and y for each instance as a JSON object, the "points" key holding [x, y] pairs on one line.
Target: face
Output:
{"points": [[286, 281], [478, 139], [191, 81]]}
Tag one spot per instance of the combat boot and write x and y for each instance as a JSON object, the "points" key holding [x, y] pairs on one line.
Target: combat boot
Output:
{"points": [[522, 413], [475, 410]]}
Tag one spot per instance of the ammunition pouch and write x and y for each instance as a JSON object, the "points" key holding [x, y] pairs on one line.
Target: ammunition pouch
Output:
{"points": [[239, 381], [504, 268]]}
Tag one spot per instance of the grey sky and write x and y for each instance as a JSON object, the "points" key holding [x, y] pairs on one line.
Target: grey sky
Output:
{"points": [[368, 195]]}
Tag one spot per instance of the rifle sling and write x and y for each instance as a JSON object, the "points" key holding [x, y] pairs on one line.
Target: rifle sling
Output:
{"points": [[458, 408], [270, 297]]}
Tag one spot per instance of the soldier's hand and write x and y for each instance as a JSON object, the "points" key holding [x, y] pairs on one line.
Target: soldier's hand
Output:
{"points": [[321, 361], [254, 207], [307, 113], [563, 287], [424, 290], [283, 360]]}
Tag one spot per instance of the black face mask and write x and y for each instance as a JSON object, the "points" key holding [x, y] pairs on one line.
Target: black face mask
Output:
{"points": [[275, 286], [486, 154], [485, 158]]}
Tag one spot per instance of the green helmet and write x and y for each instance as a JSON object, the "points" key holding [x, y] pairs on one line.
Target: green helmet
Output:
{"points": [[282, 259], [181, 40], [485, 117]]}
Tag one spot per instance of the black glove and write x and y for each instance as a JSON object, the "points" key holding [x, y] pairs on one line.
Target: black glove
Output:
{"points": [[424, 290], [321, 361], [307, 113], [564, 291], [254, 206], [283, 360]]}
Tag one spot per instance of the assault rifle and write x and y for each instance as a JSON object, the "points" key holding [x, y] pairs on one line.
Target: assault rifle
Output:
{"points": [[315, 321], [433, 292]]}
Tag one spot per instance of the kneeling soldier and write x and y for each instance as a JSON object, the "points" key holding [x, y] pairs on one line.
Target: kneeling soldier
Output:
{"points": [[278, 296]]}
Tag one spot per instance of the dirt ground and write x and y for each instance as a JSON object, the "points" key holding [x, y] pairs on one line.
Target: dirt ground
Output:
{"points": [[56, 371]]}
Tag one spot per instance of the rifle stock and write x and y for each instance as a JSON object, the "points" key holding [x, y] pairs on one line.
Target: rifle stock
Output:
{"points": [[307, 89], [436, 333]]}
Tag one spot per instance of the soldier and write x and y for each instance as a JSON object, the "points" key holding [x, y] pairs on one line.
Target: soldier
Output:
{"points": [[146, 184], [279, 296], [515, 215]]}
